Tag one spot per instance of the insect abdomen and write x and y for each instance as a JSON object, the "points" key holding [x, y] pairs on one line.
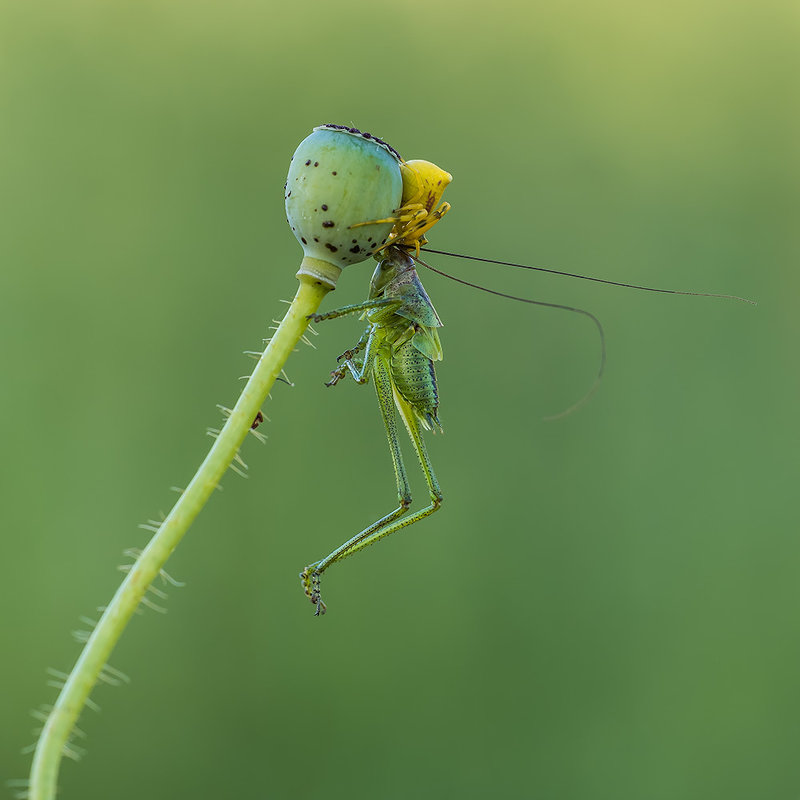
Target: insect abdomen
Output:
{"points": [[415, 378]]}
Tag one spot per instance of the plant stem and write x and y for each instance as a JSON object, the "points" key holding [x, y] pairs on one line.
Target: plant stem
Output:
{"points": [[85, 673]]}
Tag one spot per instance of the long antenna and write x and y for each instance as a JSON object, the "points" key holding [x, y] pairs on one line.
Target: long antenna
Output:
{"points": [[588, 277], [558, 306]]}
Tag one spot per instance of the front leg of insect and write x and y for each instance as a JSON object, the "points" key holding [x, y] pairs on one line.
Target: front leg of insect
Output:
{"points": [[402, 344], [347, 357], [352, 367], [337, 375]]}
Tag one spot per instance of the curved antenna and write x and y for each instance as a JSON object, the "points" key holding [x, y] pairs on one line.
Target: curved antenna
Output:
{"points": [[592, 317], [589, 278]]}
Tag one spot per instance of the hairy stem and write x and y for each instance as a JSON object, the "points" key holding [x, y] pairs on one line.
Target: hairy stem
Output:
{"points": [[84, 675]]}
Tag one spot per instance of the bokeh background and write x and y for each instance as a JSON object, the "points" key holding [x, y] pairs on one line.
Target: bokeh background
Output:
{"points": [[608, 606]]}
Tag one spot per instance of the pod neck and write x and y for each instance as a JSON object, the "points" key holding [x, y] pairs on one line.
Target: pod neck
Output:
{"points": [[315, 269]]}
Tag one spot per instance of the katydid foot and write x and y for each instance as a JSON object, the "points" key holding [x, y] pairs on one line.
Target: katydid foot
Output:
{"points": [[310, 578]]}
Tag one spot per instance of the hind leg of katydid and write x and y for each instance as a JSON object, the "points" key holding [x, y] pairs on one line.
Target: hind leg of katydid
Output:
{"points": [[410, 420], [310, 577]]}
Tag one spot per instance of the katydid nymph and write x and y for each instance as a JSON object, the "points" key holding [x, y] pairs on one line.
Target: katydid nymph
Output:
{"points": [[400, 345], [397, 350]]}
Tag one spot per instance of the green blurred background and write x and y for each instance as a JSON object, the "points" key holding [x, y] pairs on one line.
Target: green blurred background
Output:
{"points": [[608, 606]]}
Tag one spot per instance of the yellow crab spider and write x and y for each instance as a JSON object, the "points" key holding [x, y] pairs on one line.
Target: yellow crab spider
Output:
{"points": [[420, 210]]}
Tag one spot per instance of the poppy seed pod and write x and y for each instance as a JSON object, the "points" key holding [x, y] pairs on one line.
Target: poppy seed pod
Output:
{"points": [[338, 178]]}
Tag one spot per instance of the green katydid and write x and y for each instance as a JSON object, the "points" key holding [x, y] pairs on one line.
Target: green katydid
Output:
{"points": [[400, 345], [397, 350]]}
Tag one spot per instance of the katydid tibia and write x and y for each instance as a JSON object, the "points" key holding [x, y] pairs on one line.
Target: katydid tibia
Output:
{"points": [[400, 345]]}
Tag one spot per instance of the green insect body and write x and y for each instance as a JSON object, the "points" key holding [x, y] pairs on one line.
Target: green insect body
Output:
{"points": [[407, 329], [401, 342], [397, 351]]}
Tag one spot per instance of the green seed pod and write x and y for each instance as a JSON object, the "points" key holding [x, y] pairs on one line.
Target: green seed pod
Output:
{"points": [[340, 178]]}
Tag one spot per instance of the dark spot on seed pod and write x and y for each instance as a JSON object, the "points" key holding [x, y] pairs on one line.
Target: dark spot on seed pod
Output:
{"points": [[329, 223], [333, 173], [357, 132], [355, 249], [308, 162], [302, 239], [355, 240], [290, 193], [324, 207], [316, 163], [369, 238], [315, 239], [331, 247]]}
